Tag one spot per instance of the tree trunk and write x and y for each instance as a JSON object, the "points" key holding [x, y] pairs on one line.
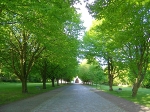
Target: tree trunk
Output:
{"points": [[24, 86], [140, 77], [44, 83], [44, 78], [134, 90], [53, 82], [110, 82], [57, 82], [136, 86], [110, 75], [44, 73]]}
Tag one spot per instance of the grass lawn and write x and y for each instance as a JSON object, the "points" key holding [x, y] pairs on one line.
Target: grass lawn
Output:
{"points": [[142, 98], [10, 92]]}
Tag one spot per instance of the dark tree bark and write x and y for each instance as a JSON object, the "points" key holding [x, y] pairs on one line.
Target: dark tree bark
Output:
{"points": [[110, 74], [44, 69], [44, 84], [53, 82], [57, 81], [141, 74], [44, 81], [24, 86]]}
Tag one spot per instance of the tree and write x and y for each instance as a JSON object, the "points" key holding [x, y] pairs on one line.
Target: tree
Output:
{"points": [[128, 22], [102, 47], [42, 67], [29, 27], [83, 71], [146, 82], [22, 51], [96, 72], [91, 72]]}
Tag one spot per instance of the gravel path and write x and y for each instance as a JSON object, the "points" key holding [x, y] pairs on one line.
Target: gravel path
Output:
{"points": [[74, 98]]}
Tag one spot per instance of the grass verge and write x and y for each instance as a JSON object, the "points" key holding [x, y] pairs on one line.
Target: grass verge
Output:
{"points": [[142, 98], [10, 92]]}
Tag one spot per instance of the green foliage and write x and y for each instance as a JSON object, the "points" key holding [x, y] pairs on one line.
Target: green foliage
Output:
{"points": [[34, 30], [6, 76], [84, 71], [91, 72], [34, 78], [122, 35], [146, 81]]}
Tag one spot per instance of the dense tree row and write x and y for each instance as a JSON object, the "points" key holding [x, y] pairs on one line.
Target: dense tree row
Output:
{"points": [[120, 37], [91, 72], [39, 34]]}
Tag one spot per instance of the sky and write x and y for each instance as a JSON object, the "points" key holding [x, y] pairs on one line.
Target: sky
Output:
{"points": [[85, 16]]}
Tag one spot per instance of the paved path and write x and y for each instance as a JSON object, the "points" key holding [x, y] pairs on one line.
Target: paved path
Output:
{"points": [[77, 98], [74, 98]]}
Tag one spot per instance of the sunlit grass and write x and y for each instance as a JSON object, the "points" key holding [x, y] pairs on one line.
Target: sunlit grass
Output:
{"points": [[10, 92], [142, 98]]}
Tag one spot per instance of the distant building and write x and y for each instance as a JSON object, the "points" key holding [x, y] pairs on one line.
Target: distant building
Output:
{"points": [[77, 80]]}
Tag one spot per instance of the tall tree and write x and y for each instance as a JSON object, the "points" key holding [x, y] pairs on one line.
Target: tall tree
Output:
{"points": [[128, 22], [22, 51], [102, 47], [28, 27]]}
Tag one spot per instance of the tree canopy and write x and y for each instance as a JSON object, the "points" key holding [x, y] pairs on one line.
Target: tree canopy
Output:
{"points": [[122, 36], [32, 30]]}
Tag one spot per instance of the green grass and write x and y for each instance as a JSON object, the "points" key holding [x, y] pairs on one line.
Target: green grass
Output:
{"points": [[142, 98], [10, 92]]}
